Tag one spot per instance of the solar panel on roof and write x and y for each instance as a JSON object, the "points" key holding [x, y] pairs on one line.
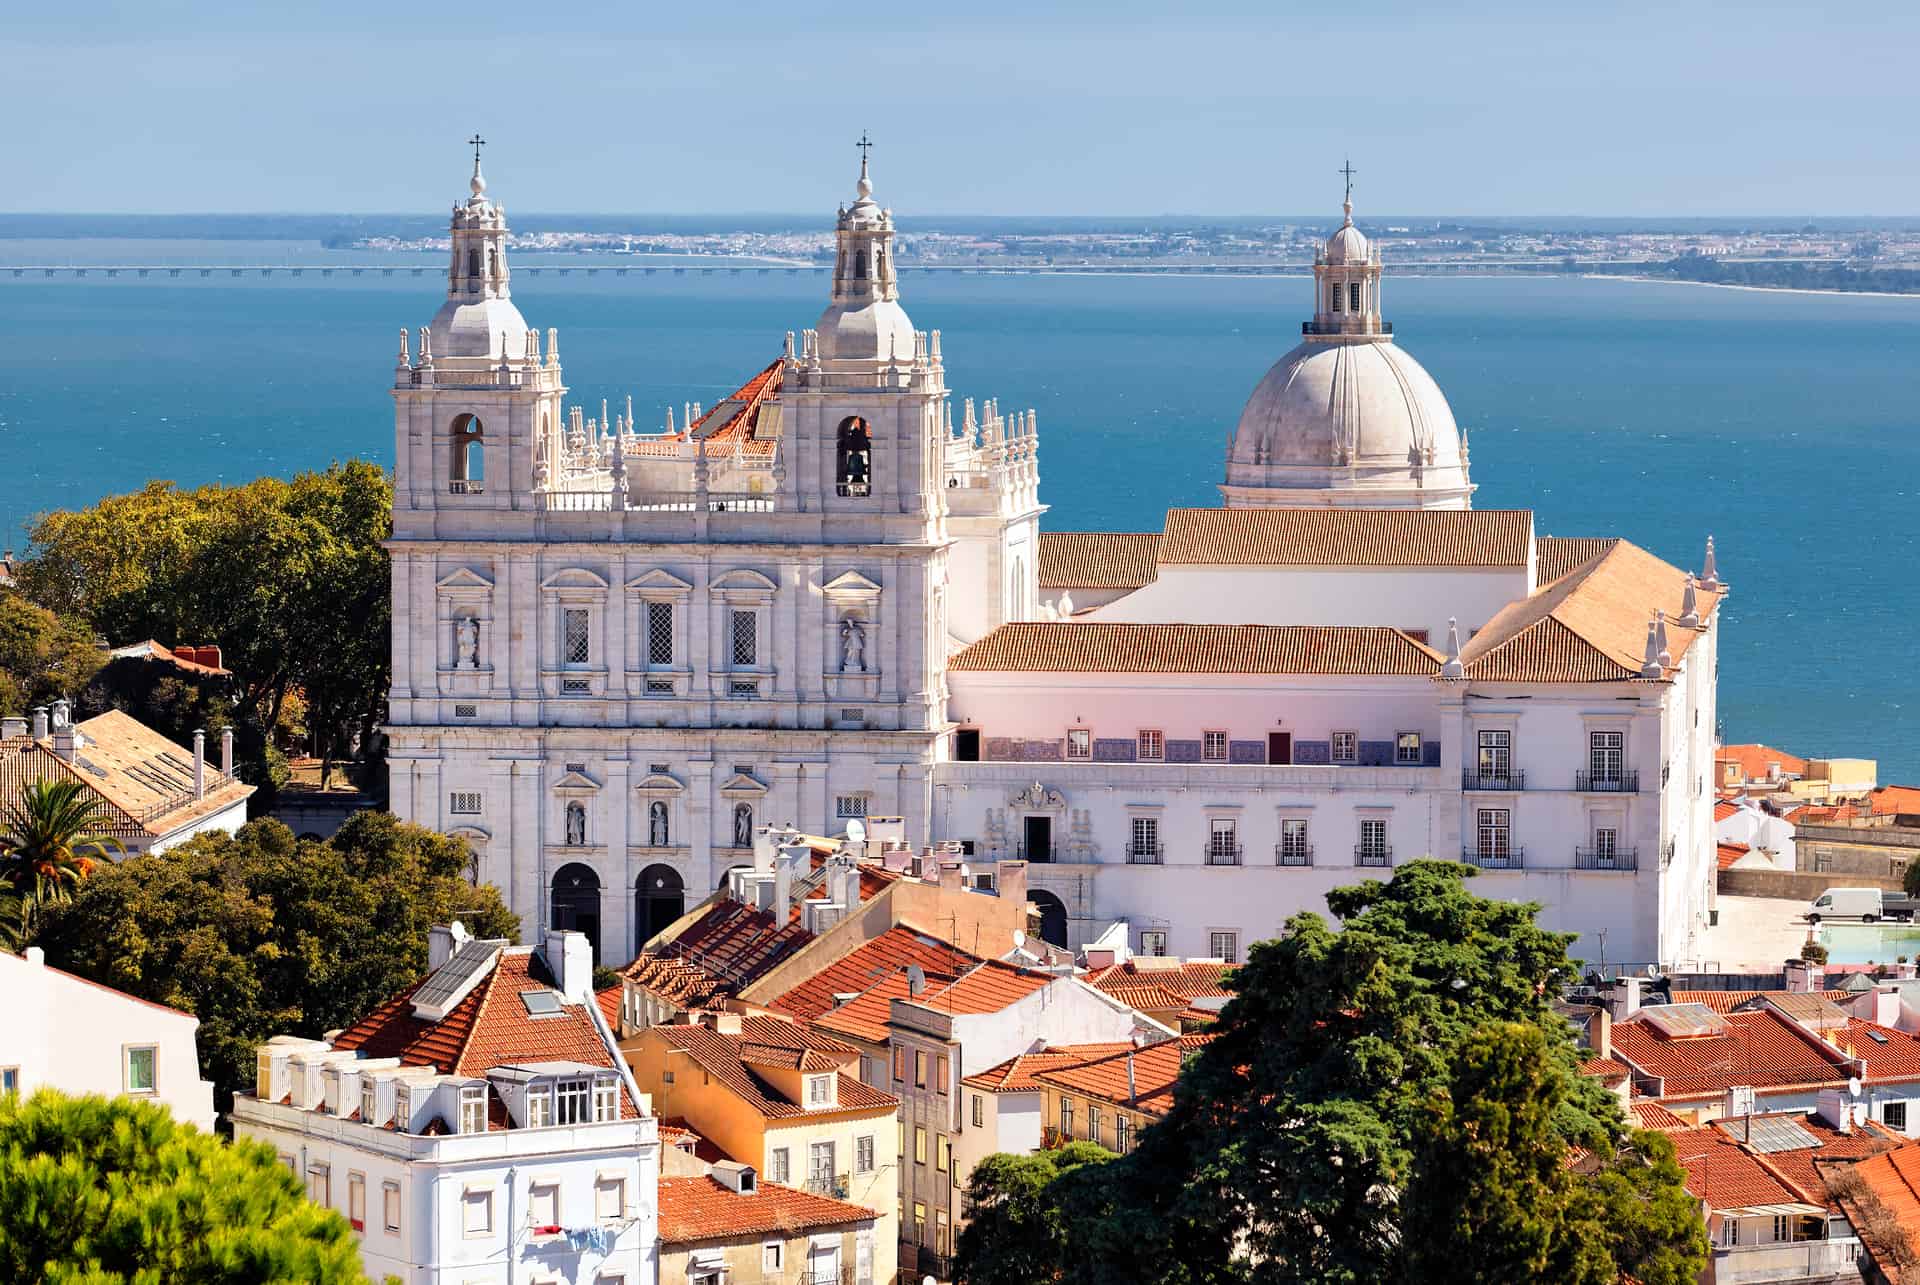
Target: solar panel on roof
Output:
{"points": [[1768, 1133], [449, 983]]}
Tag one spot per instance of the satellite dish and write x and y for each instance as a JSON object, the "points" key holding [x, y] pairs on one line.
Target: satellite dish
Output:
{"points": [[1853, 1086], [1653, 970], [1019, 939], [856, 831], [916, 979]]}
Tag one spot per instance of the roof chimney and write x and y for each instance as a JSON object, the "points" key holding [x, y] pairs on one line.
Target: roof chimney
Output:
{"points": [[443, 940], [65, 739], [1623, 998], [569, 957], [199, 763], [786, 862], [226, 752], [39, 722], [13, 728]]}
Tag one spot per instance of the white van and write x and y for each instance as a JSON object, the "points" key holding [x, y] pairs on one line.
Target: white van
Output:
{"points": [[1864, 904]]}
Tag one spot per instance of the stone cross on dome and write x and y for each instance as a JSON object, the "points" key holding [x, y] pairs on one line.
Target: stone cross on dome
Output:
{"points": [[865, 185], [1347, 170], [478, 184]]}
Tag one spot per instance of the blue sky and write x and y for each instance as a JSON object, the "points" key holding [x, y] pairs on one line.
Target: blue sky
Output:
{"points": [[977, 106]]}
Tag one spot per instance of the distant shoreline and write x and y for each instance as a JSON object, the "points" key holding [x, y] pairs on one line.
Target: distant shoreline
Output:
{"points": [[1728, 285]]}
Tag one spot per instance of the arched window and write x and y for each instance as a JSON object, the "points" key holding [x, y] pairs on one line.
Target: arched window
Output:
{"points": [[468, 461], [576, 824], [661, 898], [860, 265], [473, 269], [853, 456], [743, 825], [657, 835], [1052, 916], [574, 902]]}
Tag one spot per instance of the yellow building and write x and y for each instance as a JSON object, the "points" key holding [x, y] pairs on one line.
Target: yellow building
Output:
{"points": [[731, 1229], [1110, 1099], [785, 1099]]}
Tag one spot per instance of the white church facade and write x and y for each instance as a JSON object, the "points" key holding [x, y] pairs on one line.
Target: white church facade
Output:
{"points": [[618, 653]]}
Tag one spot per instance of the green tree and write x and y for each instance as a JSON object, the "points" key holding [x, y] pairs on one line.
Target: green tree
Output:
{"points": [[42, 655], [1016, 1229], [116, 1192], [260, 934], [51, 839]]}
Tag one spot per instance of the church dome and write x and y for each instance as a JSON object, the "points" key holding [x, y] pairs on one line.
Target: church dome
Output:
{"points": [[864, 323], [1348, 245], [876, 332], [1347, 404], [475, 327]]}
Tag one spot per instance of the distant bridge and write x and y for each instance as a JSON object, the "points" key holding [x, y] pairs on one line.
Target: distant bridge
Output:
{"points": [[790, 270]]}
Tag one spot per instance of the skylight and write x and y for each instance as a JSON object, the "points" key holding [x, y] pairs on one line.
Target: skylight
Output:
{"points": [[541, 1003]]}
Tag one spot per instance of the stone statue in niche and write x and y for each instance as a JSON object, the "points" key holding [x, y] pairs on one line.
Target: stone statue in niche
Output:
{"points": [[742, 826], [466, 636], [853, 644], [657, 824]]}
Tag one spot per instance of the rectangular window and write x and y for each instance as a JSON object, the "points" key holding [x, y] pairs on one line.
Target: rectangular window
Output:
{"points": [[1145, 843], [659, 633], [819, 1091], [609, 1197], [1894, 1116], [940, 1232], [473, 1108], [1151, 746], [357, 1200], [979, 1112], [576, 637], [899, 1065], [1353, 296], [1066, 1118], [1224, 947], [1606, 756], [772, 1256], [820, 1167], [1122, 1134], [1153, 941], [1495, 832], [1373, 838], [1293, 842], [1406, 749], [140, 1067], [390, 1206], [940, 1074], [919, 1221], [863, 1154], [320, 1184], [746, 638], [1496, 755], [1079, 742], [1606, 844], [1223, 842], [571, 1104], [850, 805], [1213, 747], [919, 1145], [543, 1206], [606, 1099], [943, 1154], [464, 803], [919, 1069], [1346, 747], [539, 1107], [777, 1167]]}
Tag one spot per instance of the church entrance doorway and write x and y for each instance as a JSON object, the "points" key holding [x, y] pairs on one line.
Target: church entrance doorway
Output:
{"points": [[660, 897], [576, 903], [1053, 916], [1037, 839], [1279, 747]]}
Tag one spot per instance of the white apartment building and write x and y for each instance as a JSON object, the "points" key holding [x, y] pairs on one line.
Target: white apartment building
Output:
{"points": [[59, 1031], [616, 654], [477, 1127]]}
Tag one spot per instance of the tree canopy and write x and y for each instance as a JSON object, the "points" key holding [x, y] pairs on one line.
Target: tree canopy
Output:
{"points": [[1318, 1136], [97, 1191], [261, 934], [43, 655]]}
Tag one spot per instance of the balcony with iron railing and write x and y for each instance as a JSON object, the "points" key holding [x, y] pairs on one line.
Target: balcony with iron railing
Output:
{"points": [[1372, 854], [1606, 859], [1146, 854], [836, 1185], [1292, 854], [1495, 857], [1484, 779], [1607, 782], [1039, 852], [1222, 853]]}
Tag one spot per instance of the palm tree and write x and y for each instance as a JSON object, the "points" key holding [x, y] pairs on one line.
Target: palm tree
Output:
{"points": [[50, 840]]}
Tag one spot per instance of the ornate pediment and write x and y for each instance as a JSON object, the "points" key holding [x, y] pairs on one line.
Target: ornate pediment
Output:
{"points": [[574, 578], [740, 785], [850, 584], [1037, 797], [658, 581], [464, 579], [658, 783], [575, 781], [471, 833], [745, 578]]}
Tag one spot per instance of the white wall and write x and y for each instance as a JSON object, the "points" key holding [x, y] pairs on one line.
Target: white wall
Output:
{"points": [[72, 1035], [226, 821]]}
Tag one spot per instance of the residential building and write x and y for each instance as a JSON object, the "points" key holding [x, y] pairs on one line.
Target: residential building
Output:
{"points": [[729, 1228], [1183, 994], [787, 1101], [67, 1033], [149, 793], [1883, 1205], [617, 653], [1004, 1107], [1109, 1099], [479, 1126]]}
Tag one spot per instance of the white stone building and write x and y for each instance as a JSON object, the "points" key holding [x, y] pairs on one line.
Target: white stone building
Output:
{"points": [[480, 1126], [617, 653], [59, 1031]]}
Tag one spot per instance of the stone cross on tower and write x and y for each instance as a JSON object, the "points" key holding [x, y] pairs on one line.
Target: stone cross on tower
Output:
{"points": [[865, 145], [1349, 171], [476, 142]]}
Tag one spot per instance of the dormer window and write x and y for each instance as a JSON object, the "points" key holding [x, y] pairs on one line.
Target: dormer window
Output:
{"points": [[571, 1103], [606, 1099], [369, 1101], [473, 1108], [820, 1091]]}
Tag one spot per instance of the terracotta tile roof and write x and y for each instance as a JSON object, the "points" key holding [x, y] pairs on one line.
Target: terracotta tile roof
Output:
{"points": [[1146, 996], [1556, 556], [204, 661], [1898, 1058], [1754, 760], [1155, 1068], [1728, 853], [1189, 979], [1727, 1001], [1097, 559], [1348, 537], [1115, 648], [1760, 1049], [143, 780], [725, 1058], [859, 971], [609, 1002], [1725, 811], [1605, 1070], [1797, 1167], [1901, 799], [742, 421], [1016, 1074], [987, 988], [866, 1017], [1651, 1115], [696, 1210], [720, 953], [1818, 814], [1727, 1177], [1589, 626], [1893, 1180]]}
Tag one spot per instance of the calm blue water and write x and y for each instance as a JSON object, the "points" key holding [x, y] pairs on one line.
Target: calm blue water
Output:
{"points": [[1784, 424]]}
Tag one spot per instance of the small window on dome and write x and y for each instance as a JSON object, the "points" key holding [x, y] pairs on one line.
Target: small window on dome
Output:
{"points": [[1334, 294], [1353, 296]]}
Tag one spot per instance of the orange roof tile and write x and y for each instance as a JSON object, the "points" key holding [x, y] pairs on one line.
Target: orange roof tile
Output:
{"points": [[1727, 1177], [890, 952], [1724, 810], [866, 1017], [761, 1040], [1097, 559], [1893, 1179], [1348, 537], [1017, 1074], [1189, 979], [1115, 648], [1589, 626], [1556, 556], [1728, 853], [1155, 1068], [1797, 1167], [1900, 799], [1727, 1001], [1605, 1070], [1651, 1115], [1760, 1049], [734, 423], [1146, 996], [696, 1210], [1756, 760], [721, 952], [986, 988], [609, 1001]]}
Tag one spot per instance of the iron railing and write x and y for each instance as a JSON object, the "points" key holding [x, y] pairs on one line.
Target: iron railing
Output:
{"points": [[1495, 858], [1146, 854], [1292, 854], [1606, 859], [1223, 854], [1607, 782], [1472, 779], [1037, 852], [1375, 854]]}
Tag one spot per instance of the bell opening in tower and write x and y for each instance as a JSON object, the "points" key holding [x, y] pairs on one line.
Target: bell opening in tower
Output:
{"points": [[853, 456]]}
